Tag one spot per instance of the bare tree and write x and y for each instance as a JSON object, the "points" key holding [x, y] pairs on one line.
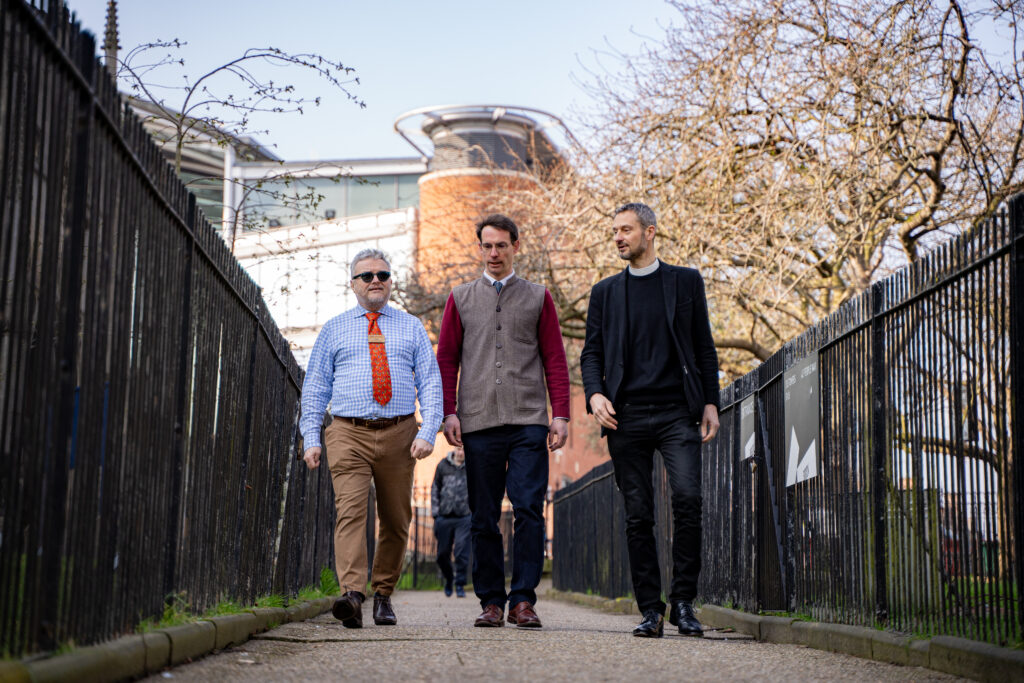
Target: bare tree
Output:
{"points": [[215, 110], [796, 150]]}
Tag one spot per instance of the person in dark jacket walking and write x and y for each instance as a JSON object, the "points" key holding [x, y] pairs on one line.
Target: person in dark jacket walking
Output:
{"points": [[650, 374], [449, 505]]}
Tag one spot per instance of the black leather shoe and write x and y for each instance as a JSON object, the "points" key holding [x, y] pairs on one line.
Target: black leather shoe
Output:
{"points": [[383, 615], [349, 609], [682, 616], [653, 625]]}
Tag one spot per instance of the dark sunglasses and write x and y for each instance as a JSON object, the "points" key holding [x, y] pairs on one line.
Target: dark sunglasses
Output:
{"points": [[367, 277]]}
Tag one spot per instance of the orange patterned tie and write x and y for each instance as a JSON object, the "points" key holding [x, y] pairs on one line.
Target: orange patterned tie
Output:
{"points": [[379, 362]]}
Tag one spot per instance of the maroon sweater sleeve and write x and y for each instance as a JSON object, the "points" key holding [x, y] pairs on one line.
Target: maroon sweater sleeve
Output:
{"points": [[552, 353], [449, 353]]}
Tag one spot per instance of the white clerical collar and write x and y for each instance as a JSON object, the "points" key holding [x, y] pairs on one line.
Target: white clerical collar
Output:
{"points": [[646, 270], [503, 281]]}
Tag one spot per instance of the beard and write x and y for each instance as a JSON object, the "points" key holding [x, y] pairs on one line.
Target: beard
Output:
{"points": [[633, 253]]}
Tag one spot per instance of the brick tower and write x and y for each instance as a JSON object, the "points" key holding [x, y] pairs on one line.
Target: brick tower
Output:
{"points": [[476, 151]]}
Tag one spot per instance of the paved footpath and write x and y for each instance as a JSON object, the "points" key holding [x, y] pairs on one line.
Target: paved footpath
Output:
{"points": [[435, 641]]}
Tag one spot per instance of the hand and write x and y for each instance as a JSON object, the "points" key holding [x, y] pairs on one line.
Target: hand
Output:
{"points": [[421, 448], [558, 432], [603, 411], [709, 423], [453, 430], [312, 457]]}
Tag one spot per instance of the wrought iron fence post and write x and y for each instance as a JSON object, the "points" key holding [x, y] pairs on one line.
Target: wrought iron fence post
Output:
{"points": [[1017, 382], [416, 546], [181, 395], [774, 502], [61, 445], [878, 450], [244, 474]]}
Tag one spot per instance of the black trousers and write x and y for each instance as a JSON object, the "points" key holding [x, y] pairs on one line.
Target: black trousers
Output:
{"points": [[671, 431], [453, 531]]}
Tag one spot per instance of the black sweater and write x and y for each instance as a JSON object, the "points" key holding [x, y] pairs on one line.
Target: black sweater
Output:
{"points": [[653, 372]]}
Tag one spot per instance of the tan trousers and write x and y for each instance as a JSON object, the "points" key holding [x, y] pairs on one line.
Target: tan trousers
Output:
{"points": [[355, 455]]}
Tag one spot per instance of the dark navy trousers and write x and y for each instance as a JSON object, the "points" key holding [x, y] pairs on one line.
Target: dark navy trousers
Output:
{"points": [[511, 458], [452, 532]]}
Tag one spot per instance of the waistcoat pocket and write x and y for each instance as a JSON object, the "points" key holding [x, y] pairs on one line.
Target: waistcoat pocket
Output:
{"points": [[530, 395]]}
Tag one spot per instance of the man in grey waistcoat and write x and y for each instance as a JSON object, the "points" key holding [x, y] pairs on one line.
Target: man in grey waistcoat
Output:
{"points": [[501, 340]]}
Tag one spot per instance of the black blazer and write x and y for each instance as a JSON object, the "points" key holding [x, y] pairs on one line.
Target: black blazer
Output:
{"points": [[602, 361]]}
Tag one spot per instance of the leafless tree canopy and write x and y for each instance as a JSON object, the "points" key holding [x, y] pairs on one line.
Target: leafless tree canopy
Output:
{"points": [[795, 151], [216, 109]]}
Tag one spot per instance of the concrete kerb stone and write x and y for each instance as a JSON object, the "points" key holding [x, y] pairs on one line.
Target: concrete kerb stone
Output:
{"points": [[851, 640], [158, 651], [891, 648], [618, 605], [268, 617], [190, 641], [919, 653], [14, 672], [114, 661], [723, 617], [778, 629], [136, 655], [232, 629], [973, 659]]}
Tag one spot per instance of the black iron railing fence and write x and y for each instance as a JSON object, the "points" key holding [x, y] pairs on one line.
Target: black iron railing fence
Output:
{"points": [[909, 512], [148, 402]]}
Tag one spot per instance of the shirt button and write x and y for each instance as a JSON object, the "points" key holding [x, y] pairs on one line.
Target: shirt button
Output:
{"points": [[497, 346], [497, 381], [498, 364], [499, 326], [498, 309]]}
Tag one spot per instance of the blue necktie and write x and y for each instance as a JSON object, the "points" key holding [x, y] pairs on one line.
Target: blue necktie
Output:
{"points": [[497, 286]]}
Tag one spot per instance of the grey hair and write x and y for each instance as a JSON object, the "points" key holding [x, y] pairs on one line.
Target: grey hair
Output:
{"points": [[642, 211], [369, 254]]}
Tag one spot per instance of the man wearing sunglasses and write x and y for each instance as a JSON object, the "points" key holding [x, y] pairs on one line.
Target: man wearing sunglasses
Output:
{"points": [[371, 363], [501, 338]]}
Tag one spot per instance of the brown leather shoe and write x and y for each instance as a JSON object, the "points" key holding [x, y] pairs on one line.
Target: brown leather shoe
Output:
{"points": [[491, 616], [349, 609], [383, 615], [523, 616]]}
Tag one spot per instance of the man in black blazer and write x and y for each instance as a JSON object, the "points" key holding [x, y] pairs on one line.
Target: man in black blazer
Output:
{"points": [[650, 373]]}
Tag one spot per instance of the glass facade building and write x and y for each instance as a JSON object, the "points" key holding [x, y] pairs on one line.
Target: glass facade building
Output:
{"points": [[277, 195]]}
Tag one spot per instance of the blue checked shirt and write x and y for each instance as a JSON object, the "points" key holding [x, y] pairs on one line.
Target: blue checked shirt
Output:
{"points": [[339, 372]]}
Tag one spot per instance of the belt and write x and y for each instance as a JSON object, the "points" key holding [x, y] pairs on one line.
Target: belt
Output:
{"points": [[379, 423]]}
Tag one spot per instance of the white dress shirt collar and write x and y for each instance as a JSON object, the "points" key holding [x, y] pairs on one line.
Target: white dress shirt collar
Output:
{"points": [[503, 281]]}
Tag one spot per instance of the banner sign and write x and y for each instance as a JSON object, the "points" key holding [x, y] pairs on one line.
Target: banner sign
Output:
{"points": [[802, 428], [747, 428]]}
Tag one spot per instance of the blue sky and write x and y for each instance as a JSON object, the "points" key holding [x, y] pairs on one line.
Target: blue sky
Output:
{"points": [[407, 55]]}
